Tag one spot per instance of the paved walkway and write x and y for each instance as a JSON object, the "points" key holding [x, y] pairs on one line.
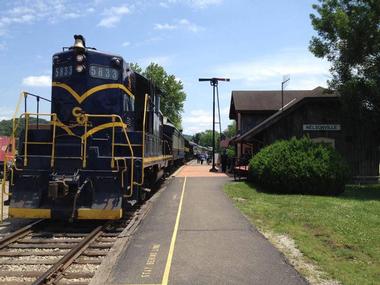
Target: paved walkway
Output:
{"points": [[199, 171], [194, 235]]}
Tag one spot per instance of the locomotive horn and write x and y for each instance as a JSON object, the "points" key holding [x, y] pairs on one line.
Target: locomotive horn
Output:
{"points": [[80, 43]]}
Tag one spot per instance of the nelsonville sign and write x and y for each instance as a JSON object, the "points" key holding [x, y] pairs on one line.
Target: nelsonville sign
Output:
{"points": [[321, 127]]}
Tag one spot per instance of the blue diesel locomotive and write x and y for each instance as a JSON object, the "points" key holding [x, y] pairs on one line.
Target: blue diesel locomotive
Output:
{"points": [[103, 146]]}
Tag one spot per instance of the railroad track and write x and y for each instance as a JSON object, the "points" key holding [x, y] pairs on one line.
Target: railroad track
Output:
{"points": [[51, 252]]}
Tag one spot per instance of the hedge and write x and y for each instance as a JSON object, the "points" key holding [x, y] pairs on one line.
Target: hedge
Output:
{"points": [[299, 166]]}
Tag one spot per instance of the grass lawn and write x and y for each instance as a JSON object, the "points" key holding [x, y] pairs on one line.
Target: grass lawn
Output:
{"points": [[340, 234]]}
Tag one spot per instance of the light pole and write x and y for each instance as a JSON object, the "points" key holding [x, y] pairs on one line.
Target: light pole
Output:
{"points": [[214, 83]]}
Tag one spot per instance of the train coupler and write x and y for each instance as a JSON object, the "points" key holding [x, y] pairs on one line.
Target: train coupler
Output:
{"points": [[57, 189], [61, 185]]}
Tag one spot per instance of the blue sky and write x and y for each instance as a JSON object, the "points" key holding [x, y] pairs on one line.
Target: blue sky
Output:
{"points": [[253, 42]]}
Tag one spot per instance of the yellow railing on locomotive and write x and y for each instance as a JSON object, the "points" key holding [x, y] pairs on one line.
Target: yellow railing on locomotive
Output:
{"points": [[116, 122], [53, 121], [15, 127]]}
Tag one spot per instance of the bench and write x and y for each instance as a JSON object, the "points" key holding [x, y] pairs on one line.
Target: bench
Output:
{"points": [[240, 169]]}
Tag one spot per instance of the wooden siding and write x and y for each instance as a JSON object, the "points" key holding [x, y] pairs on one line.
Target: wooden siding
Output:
{"points": [[360, 151], [251, 120]]}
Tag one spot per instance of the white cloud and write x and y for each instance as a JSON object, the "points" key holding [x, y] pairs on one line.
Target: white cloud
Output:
{"points": [[113, 16], [301, 83], [120, 10], [126, 44], [163, 4], [71, 15], [164, 27], [190, 26], [148, 41], [199, 4], [199, 117], [205, 3], [305, 70], [201, 120], [184, 24], [161, 60], [6, 113], [50, 11], [19, 10], [109, 22], [37, 81]]}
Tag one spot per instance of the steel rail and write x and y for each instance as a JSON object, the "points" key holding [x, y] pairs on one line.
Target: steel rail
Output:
{"points": [[55, 272], [18, 234]]}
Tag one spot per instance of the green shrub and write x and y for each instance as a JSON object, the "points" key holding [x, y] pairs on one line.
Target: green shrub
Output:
{"points": [[230, 152], [299, 166]]}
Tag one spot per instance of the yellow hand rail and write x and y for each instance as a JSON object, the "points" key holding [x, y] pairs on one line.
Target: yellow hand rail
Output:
{"points": [[113, 144], [26, 139], [3, 182], [3, 189], [143, 139], [54, 121], [53, 142], [117, 121], [143, 143], [84, 142]]}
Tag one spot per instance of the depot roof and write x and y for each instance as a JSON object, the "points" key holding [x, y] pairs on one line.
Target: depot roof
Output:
{"points": [[267, 100]]}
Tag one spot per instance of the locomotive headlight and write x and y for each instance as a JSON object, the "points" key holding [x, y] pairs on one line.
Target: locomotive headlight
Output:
{"points": [[116, 61], [80, 57], [55, 59], [80, 68]]}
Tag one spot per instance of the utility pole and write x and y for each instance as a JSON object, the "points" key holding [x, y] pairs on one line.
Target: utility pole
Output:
{"points": [[214, 83]]}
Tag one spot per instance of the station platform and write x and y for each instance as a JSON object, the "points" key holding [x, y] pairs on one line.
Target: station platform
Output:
{"points": [[194, 235]]}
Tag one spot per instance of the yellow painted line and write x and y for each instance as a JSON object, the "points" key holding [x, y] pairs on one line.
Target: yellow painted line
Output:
{"points": [[165, 278], [157, 158], [102, 127], [80, 98], [66, 128]]}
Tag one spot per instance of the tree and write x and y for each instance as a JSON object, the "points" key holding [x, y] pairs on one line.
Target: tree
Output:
{"points": [[173, 94], [172, 101], [6, 126], [135, 67], [349, 37], [205, 139], [197, 138], [230, 131]]}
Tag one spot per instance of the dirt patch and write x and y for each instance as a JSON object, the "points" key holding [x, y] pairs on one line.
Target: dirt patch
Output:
{"points": [[242, 200], [288, 247]]}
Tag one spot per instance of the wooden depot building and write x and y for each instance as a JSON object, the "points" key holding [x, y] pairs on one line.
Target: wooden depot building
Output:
{"points": [[261, 119]]}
